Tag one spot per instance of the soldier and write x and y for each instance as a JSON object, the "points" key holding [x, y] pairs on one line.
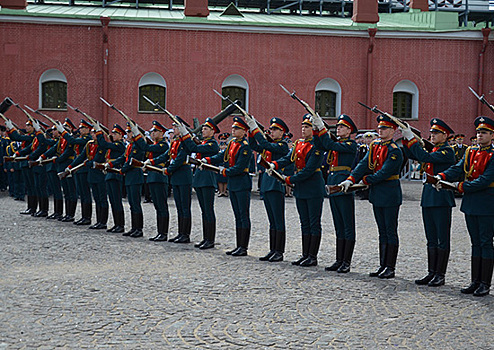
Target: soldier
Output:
{"points": [[221, 179], [238, 155], [204, 182], [272, 190], [82, 185], [475, 173], [459, 147], [436, 205], [157, 182], [134, 179], [180, 175], [113, 181], [383, 161], [308, 190], [341, 155]]}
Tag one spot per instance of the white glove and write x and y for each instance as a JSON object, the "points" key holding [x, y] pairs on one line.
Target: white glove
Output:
{"points": [[221, 169], [407, 133], [135, 129], [437, 185], [163, 171], [345, 184], [68, 170], [270, 170], [456, 184], [201, 166], [107, 166], [96, 126], [182, 129], [9, 124], [147, 162], [59, 127], [317, 122], [36, 125], [251, 122]]}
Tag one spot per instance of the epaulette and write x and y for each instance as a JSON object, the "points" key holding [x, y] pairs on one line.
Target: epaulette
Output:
{"points": [[394, 145], [245, 142]]}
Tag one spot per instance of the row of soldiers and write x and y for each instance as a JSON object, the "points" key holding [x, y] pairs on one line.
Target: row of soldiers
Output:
{"points": [[101, 165]]}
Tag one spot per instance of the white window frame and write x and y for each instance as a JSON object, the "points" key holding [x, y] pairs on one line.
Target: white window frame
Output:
{"points": [[150, 78], [328, 84], [409, 86], [47, 76], [236, 80]]}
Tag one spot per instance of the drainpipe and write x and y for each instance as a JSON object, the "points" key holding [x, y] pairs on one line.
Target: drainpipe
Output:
{"points": [[372, 34], [104, 22], [480, 89]]}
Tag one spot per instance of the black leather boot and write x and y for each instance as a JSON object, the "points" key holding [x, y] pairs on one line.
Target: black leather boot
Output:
{"points": [[185, 233], [314, 244], [476, 267], [382, 261], [238, 239], [340, 250], [180, 229], [133, 225], [431, 267], [210, 236], [442, 264], [43, 208], [485, 278], [204, 235], [391, 256], [139, 217], [272, 243], [98, 214], [87, 209], [57, 211], [70, 212], [347, 257], [31, 206], [279, 246], [244, 242], [162, 226], [305, 250]]}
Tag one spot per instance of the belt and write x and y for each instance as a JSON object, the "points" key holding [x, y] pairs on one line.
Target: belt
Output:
{"points": [[340, 168], [393, 177]]}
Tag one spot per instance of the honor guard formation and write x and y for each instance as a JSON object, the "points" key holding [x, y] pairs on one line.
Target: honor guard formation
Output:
{"points": [[90, 162]]}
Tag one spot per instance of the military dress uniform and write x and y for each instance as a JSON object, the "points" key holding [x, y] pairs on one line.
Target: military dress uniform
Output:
{"points": [[205, 183], [113, 181], [82, 185], [14, 173], [383, 161], [476, 175], [238, 155], [158, 183], [436, 205], [134, 178], [459, 148], [341, 155], [272, 190], [308, 191]]}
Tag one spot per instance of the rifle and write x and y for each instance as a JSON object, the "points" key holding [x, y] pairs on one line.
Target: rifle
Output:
{"points": [[482, 99], [202, 165], [101, 166], [244, 112], [42, 114], [63, 174], [218, 118], [430, 179], [33, 163], [91, 119], [423, 142], [310, 111], [138, 164], [332, 189], [265, 164], [13, 159], [24, 111]]}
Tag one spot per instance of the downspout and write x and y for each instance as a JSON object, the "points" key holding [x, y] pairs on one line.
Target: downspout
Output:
{"points": [[104, 22], [480, 89], [372, 34]]}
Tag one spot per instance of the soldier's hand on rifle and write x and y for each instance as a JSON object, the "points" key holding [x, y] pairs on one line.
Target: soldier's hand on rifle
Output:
{"points": [[36, 125], [59, 127], [107, 166], [251, 122], [317, 122], [270, 170], [346, 185], [68, 170], [221, 169], [407, 133], [135, 129], [455, 185], [182, 129], [147, 162], [9, 124], [96, 126]]}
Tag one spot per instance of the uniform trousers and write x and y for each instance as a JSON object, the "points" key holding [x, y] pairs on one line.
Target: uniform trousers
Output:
{"points": [[274, 201], [28, 176], [387, 224], [310, 212], [159, 195], [114, 191], [205, 196], [99, 194], [437, 225], [40, 182], [182, 196], [83, 188], [240, 201], [69, 189], [481, 230], [134, 198], [55, 184], [343, 212]]}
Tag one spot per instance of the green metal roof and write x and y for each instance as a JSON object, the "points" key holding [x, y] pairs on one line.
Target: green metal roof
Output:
{"points": [[406, 21]]}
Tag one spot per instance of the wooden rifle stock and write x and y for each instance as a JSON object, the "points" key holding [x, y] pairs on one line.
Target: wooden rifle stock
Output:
{"points": [[138, 164], [65, 173], [41, 162], [265, 164], [202, 165], [430, 179], [332, 189], [101, 166], [14, 159]]}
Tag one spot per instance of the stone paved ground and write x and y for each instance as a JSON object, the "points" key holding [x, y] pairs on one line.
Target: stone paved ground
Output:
{"points": [[69, 287]]}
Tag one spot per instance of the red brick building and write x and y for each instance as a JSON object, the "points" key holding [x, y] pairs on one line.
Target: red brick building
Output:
{"points": [[110, 52]]}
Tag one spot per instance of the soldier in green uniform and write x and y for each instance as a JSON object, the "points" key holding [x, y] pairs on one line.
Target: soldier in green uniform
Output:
{"points": [[436, 205], [475, 176], [341, 155], [383, 162]]}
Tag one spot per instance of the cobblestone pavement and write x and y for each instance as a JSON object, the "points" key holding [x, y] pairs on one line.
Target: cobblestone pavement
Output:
{"points": [[70, 287]]}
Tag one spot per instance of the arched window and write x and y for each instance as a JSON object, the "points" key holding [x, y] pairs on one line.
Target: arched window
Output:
{"points": [[235, 87], [153, 86], [328, 98], [53, 90], [406, 100]]}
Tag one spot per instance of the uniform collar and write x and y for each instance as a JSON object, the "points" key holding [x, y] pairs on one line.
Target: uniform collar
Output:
{"points": [[386, 143]]}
